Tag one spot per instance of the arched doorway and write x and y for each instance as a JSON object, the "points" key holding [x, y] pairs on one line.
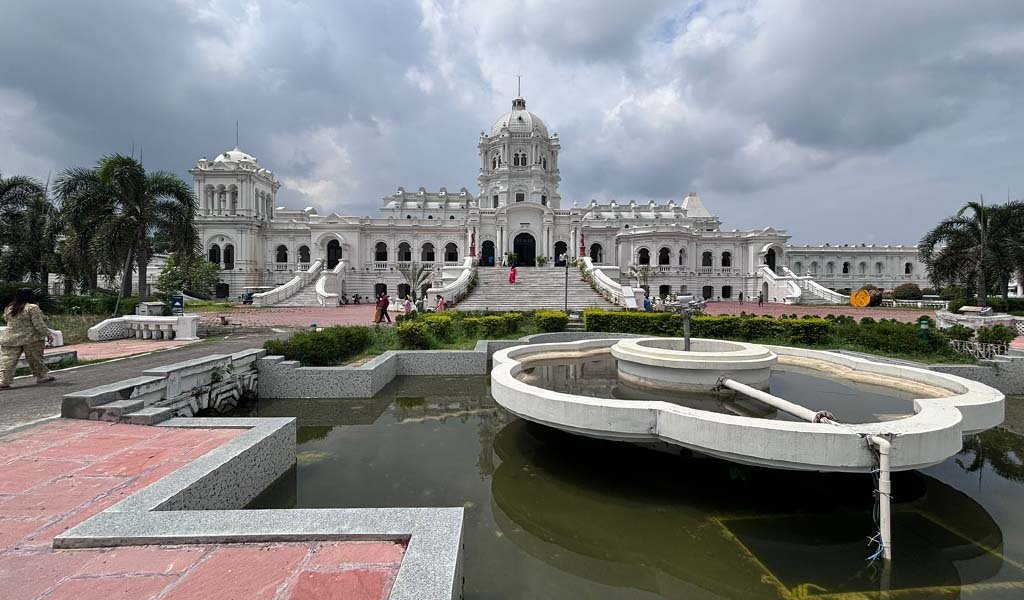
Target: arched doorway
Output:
{"points": [[769, 259], [487, 254], [644, 257], [525, 247], [596, 253], [221, 290], [333, 253], [707, 291], [380, 288], [764, 291], [561, 253]]}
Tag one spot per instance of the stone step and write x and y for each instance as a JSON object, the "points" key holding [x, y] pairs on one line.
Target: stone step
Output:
{"points": [[114, 411], [150, 415]]}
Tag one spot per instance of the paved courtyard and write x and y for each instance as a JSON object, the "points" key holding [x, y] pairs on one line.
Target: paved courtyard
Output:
{"points": [[776, 309], [351, 314], [57, 474]]}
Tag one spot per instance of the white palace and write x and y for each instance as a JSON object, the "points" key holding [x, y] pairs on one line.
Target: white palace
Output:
{"points": [[518, 209]]}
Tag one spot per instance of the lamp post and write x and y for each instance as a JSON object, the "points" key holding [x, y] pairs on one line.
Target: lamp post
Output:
{"points": [[565, 261]]}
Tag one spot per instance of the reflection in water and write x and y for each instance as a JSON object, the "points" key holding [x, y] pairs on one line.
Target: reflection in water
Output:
{"points": [[551, 515], [597, 376]]}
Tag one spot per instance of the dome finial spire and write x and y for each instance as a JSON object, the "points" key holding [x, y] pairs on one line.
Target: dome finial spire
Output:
{"points": [[518, 103]]}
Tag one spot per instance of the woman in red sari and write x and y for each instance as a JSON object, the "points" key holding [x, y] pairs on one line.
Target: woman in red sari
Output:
{"points": [[512, 274]]}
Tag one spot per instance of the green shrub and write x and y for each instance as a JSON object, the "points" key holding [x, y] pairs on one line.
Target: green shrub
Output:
{"points": [[996, 334], [959, 332], [490, 327], [414, 335], [439, 326], [907, 291], [331, 346], [513, 321], [550, 320], [805, 330]]}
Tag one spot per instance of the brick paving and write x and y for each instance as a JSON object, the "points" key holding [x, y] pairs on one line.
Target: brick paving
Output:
{"points": [[119, 348], [57, 474], [351, 314], [776, 309]]}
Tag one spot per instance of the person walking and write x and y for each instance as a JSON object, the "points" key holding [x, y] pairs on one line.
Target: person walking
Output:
{"points": [[760, 298], [25, 334], [647, 303], [512, 275], [440, 304], [407, 305], [741, 297], [376, 311], [382, 308]]}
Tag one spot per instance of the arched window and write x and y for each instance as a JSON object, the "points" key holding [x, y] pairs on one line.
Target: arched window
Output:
{"points": [[726, 292], [908, 268], [682, 257], [798, 268], [494, 161], [879, 268], [862, 268], [705, 259], [233, 194], [380, 252], [814, 267], [333, 253], [520, 197], [846, 268], [404, 252], [515, 159], [830, 268], [544, 163], [229, 256], [214, 254], [664, 256], [451, 217], [303, 254], [281, 254], [544, 200], [727, 260], [451, 252], [270, 206], [427, 252], [644, 257], [430, 217], [408, 216]]}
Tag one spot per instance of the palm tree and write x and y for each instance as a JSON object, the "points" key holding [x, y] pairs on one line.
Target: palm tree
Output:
{"points": [[419, 276], [124, 207], [16, 193], [978, 245], [642, 274]]}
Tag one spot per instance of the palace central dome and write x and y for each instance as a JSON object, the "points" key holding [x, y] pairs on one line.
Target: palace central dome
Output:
{"points": [[520, 120]]}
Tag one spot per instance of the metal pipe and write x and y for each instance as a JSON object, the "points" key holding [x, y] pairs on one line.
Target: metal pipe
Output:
{"points": [[784, 405], [884, 491], [883, 445]]}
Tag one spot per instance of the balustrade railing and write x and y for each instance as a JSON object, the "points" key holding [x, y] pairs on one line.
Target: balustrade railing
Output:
{"points": [[978, 350]]}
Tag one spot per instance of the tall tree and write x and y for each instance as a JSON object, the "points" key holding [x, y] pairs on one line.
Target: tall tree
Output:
{"points": [[16, 193], [976, 247], [124, 207]]}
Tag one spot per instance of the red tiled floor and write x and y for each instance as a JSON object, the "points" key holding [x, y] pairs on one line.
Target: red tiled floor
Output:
{"points": [[776, 309], [119, 348], [358, 552], [112, 588], [244, 573], [62, 472], [358, 584]]}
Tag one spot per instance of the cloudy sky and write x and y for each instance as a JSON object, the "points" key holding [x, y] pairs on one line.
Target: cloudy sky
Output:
{"points": [[839, 121]]}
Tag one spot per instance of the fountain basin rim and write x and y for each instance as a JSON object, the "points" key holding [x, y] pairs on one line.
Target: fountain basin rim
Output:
{"points": [[925, 438]]}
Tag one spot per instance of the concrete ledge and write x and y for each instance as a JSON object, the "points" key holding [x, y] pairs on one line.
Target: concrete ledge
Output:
{"points": [[199, 504], [279, 378]]}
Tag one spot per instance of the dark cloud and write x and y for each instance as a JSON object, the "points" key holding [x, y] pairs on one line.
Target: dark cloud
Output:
{"points": [[823, 118]]}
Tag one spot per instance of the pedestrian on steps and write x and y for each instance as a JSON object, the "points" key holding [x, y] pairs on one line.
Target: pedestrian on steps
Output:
{"points": [[25, 334], [512, 275]]}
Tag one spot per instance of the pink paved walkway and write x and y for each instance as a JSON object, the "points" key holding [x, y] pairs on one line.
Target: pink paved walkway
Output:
{"points": [[776, 309], [119, 348], [352, 314], [55, 475]]}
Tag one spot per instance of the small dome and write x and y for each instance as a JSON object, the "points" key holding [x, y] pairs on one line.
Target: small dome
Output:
{"points": [[520, 120], [235, 155]]}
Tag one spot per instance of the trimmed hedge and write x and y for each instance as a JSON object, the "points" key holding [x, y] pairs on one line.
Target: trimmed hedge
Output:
{"points": [[550, 321], [493, 326], [414, 335], [907, 291], [331, 346], [439, 326], [886, 335], [996, 334]]}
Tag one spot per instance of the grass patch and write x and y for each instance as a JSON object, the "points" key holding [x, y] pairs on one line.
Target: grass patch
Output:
{"points": [[74, 327]]}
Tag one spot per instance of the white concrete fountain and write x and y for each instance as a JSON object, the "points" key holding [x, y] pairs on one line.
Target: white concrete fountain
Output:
{"points": [[663, 364]]}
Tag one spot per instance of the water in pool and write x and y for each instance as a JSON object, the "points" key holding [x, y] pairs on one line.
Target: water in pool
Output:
{"points": [[597, 376], [551, 515]]}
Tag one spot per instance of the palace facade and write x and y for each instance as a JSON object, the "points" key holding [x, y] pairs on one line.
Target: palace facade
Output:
{"points": [[517, 210]]}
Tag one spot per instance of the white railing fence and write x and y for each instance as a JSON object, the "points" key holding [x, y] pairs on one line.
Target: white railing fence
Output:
{"points": [[610, 289], [329, 283], [289, 288], [780, 286], [457, 283], [807, 284], [979, 350]]}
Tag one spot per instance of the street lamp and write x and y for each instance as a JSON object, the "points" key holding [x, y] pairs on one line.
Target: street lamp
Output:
{"points": [[565, 262]]}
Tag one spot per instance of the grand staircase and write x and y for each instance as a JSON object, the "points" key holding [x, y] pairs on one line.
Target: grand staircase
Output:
{"points": [[306, 296], [536, 287]]}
